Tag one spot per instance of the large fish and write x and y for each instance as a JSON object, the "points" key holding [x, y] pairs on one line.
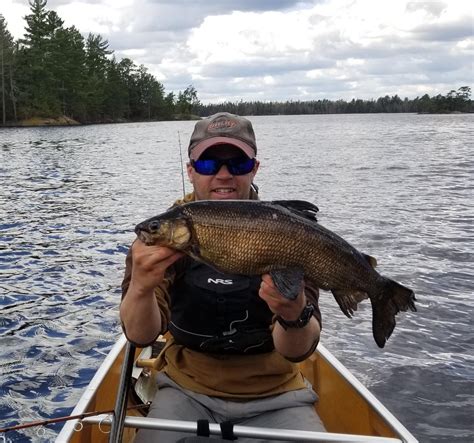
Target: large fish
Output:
{"points": [[284, 239]]}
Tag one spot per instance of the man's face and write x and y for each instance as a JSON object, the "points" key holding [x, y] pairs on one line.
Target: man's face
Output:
{"points": [[222, 185]]}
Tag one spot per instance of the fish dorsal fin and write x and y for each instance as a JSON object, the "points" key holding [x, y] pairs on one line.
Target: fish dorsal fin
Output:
{"points": [[303, 208], [371, 260]]}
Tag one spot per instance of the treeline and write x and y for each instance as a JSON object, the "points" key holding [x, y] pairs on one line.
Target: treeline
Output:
{"points": [[54, 71], [454, 101]]}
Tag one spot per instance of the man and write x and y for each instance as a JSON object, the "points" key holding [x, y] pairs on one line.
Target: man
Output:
{"points": [[234, 339]]}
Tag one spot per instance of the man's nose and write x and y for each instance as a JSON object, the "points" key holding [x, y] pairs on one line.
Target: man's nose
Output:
{"points": [[223, 172]]}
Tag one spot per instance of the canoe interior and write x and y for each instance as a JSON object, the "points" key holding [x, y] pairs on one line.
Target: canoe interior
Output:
{"points": [[104, 399], [341, 407]]}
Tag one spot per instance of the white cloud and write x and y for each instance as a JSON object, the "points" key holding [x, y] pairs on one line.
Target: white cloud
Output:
{"points": [[269, 80], [466, 44], [237, 36], [99, 18], [131, 53], [284, 49], [13, 13]]}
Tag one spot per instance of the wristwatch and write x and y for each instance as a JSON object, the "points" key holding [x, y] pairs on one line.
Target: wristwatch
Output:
{"points": [[301, 321]]}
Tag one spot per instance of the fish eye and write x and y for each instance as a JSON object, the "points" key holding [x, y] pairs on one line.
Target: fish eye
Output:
{"points": [[154, 225]]}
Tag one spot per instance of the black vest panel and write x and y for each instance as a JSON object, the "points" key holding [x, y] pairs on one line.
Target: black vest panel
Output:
{"points": [[219, 313]]}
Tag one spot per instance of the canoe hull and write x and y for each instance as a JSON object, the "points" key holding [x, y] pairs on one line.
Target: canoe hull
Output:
{"points": [[345, 405]]}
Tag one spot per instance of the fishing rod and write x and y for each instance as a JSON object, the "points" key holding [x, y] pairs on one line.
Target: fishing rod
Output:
{"points": [[64, 418], [182, 168], [118, 418]]}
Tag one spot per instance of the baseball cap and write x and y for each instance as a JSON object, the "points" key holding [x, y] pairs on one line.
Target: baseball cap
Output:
{"points": [[222, 128]]}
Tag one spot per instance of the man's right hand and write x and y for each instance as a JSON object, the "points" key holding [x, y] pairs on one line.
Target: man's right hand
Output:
{"points": [[139, 310], [149, 266]]}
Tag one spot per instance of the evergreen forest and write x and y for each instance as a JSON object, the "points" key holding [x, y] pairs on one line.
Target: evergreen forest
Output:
{"points": [[55, 71], [452, 102]]}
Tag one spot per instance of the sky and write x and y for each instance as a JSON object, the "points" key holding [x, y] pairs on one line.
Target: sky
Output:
{"points": [[278, 50]]}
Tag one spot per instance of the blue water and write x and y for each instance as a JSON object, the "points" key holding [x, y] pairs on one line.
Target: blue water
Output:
{"points": [[399, 187]]}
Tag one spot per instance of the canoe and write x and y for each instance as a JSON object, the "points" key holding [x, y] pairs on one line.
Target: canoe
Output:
{"points": [[348, 410]]}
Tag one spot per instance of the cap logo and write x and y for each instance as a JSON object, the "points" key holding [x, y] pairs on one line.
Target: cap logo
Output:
{"points": [[221, 124]]}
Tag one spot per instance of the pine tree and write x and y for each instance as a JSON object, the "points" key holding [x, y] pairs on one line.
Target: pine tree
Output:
{"points": [[7, 52], [68, 71], [96, 66], [116, 104], [37, 60]]}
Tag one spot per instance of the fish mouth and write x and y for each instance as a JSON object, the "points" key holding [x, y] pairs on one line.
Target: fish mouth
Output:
{"points": [[145, 237], [143, 234], [140, 228]]}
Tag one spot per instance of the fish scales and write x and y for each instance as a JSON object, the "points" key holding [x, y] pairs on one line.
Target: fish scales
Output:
{"points": [[232, 240], [256, 237]]}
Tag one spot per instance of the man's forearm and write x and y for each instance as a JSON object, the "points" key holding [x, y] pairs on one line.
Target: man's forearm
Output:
{"points": [[296, 343], [140, 316]]}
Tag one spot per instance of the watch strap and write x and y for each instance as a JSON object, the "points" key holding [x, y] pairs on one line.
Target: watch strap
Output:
{"points": [[300, 322]]}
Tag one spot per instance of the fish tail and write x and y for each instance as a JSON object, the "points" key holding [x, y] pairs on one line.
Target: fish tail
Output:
{"points": [[392, 299]]}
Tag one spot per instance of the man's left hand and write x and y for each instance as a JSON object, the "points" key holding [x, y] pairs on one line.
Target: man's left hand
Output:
{"points": [[287, 309]]}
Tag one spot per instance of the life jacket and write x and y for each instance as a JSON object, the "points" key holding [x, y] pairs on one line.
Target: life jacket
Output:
{"points": [[219, 313]]}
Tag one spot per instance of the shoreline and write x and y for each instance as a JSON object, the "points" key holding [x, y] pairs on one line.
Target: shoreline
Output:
{"points": [[34, 122], [42, 121], [63, 120]]}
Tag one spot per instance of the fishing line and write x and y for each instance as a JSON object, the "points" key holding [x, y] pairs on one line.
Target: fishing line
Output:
{"points": [[65, 418], [182, 168]]}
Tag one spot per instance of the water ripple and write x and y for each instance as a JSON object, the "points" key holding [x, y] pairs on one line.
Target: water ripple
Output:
{"points": [[398, 187]]}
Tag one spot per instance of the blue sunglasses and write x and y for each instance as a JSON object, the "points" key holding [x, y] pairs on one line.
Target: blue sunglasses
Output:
{"points": [[236, 166]]}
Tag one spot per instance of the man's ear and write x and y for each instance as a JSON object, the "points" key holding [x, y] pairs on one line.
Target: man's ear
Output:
{"points": [[189, 170], [257, 164]]}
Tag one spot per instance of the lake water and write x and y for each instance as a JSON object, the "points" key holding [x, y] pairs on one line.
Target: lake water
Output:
{"points": [[398, 187]]}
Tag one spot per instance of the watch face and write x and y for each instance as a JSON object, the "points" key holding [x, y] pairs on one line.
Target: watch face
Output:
{"points": [[305, 316], [301, 321]]}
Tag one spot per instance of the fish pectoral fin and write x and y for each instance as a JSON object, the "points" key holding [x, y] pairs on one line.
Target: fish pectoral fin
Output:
{"points": [[348, 299], [300, 207], [288, 281]]}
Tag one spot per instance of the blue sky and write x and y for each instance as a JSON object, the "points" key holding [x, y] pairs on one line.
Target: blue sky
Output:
{"points": [[282, 49]]}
